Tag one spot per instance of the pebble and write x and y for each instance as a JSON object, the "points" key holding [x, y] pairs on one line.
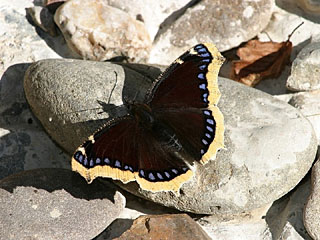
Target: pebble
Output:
{"points": [[170, 226], [309, 104], [256, 167], [225, 23], [312, 208], [55, 204], [43, 18], [305, 70], [278, 29], [151, 13], [99, 32]]}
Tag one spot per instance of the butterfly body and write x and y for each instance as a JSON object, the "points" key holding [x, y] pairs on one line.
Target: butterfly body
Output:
{"points": [[177, 125]]}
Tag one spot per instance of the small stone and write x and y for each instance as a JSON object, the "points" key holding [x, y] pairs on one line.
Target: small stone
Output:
{"points": [[312, 208], [97, 31], [168, 226], [43, 19], [256, 167], [152, 13], [225, 23], [55, 204], [281, 25], [309, 104], [308, 9], [285, 216], [305, 71]]}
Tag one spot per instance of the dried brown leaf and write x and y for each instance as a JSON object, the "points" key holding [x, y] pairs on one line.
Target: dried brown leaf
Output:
{"points": [[260, 60]]}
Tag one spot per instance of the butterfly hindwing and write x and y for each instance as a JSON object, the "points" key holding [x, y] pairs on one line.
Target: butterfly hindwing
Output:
{"points": [[122, 151]]}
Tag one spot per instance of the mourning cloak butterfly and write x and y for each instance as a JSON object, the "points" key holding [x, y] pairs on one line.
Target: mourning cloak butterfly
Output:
{"points": [[158, 142]]}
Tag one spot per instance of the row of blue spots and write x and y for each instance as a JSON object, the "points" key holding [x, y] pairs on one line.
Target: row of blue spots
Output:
{"points": [[161, 176], [209, 134], [205, 54], [84, 161]]}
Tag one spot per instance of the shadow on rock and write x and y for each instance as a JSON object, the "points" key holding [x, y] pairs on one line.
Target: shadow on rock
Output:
{"points": [[58, 179]]}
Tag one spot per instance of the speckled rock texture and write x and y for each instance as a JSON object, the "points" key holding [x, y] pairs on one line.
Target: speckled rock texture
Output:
{"points": [[98, 32], [256, 167], [226, 23], [55, 204], [312, 208], [305, 71], [167, 226]]}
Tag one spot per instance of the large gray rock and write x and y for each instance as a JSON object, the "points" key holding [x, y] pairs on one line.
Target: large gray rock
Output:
{"points": [[269, 145], [55, 204], [225, 23]]}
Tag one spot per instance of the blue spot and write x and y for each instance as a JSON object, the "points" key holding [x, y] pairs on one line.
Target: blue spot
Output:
{"points": [[208, 135], [98, 161], [142, 173], [107, 161], [202, 86], [204, 142], [85, 162], [210, 121], [185, 169], [151, 176], [80, 158], [117, 164], [198, 46], [210, 129], [167, 174], [159, 176], [202, 151], [206, 112], [206, 60], [205, 54], [205, 95], [203, 67], [91, 162], [131, 169], [126, 167], [201, 76], [202, 50], [175, 171]]}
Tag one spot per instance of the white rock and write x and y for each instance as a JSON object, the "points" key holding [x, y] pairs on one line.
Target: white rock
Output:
{"points": [[97, 31]]}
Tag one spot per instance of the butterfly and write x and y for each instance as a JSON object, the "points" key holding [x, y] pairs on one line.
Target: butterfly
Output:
{"points": [[159, 141]]}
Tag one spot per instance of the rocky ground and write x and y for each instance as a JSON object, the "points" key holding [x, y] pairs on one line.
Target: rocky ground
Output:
{"points": [[52, 65]]}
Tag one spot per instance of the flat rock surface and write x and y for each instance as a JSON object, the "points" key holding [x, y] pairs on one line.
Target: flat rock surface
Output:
{"points": [[256, 167], [312, 208], [170, 226], [309, 105], [225, 23], [55, 204]]}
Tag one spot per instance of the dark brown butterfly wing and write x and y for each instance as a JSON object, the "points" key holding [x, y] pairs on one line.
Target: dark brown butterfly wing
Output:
{"points": [[184, 99], [122, 151]]}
